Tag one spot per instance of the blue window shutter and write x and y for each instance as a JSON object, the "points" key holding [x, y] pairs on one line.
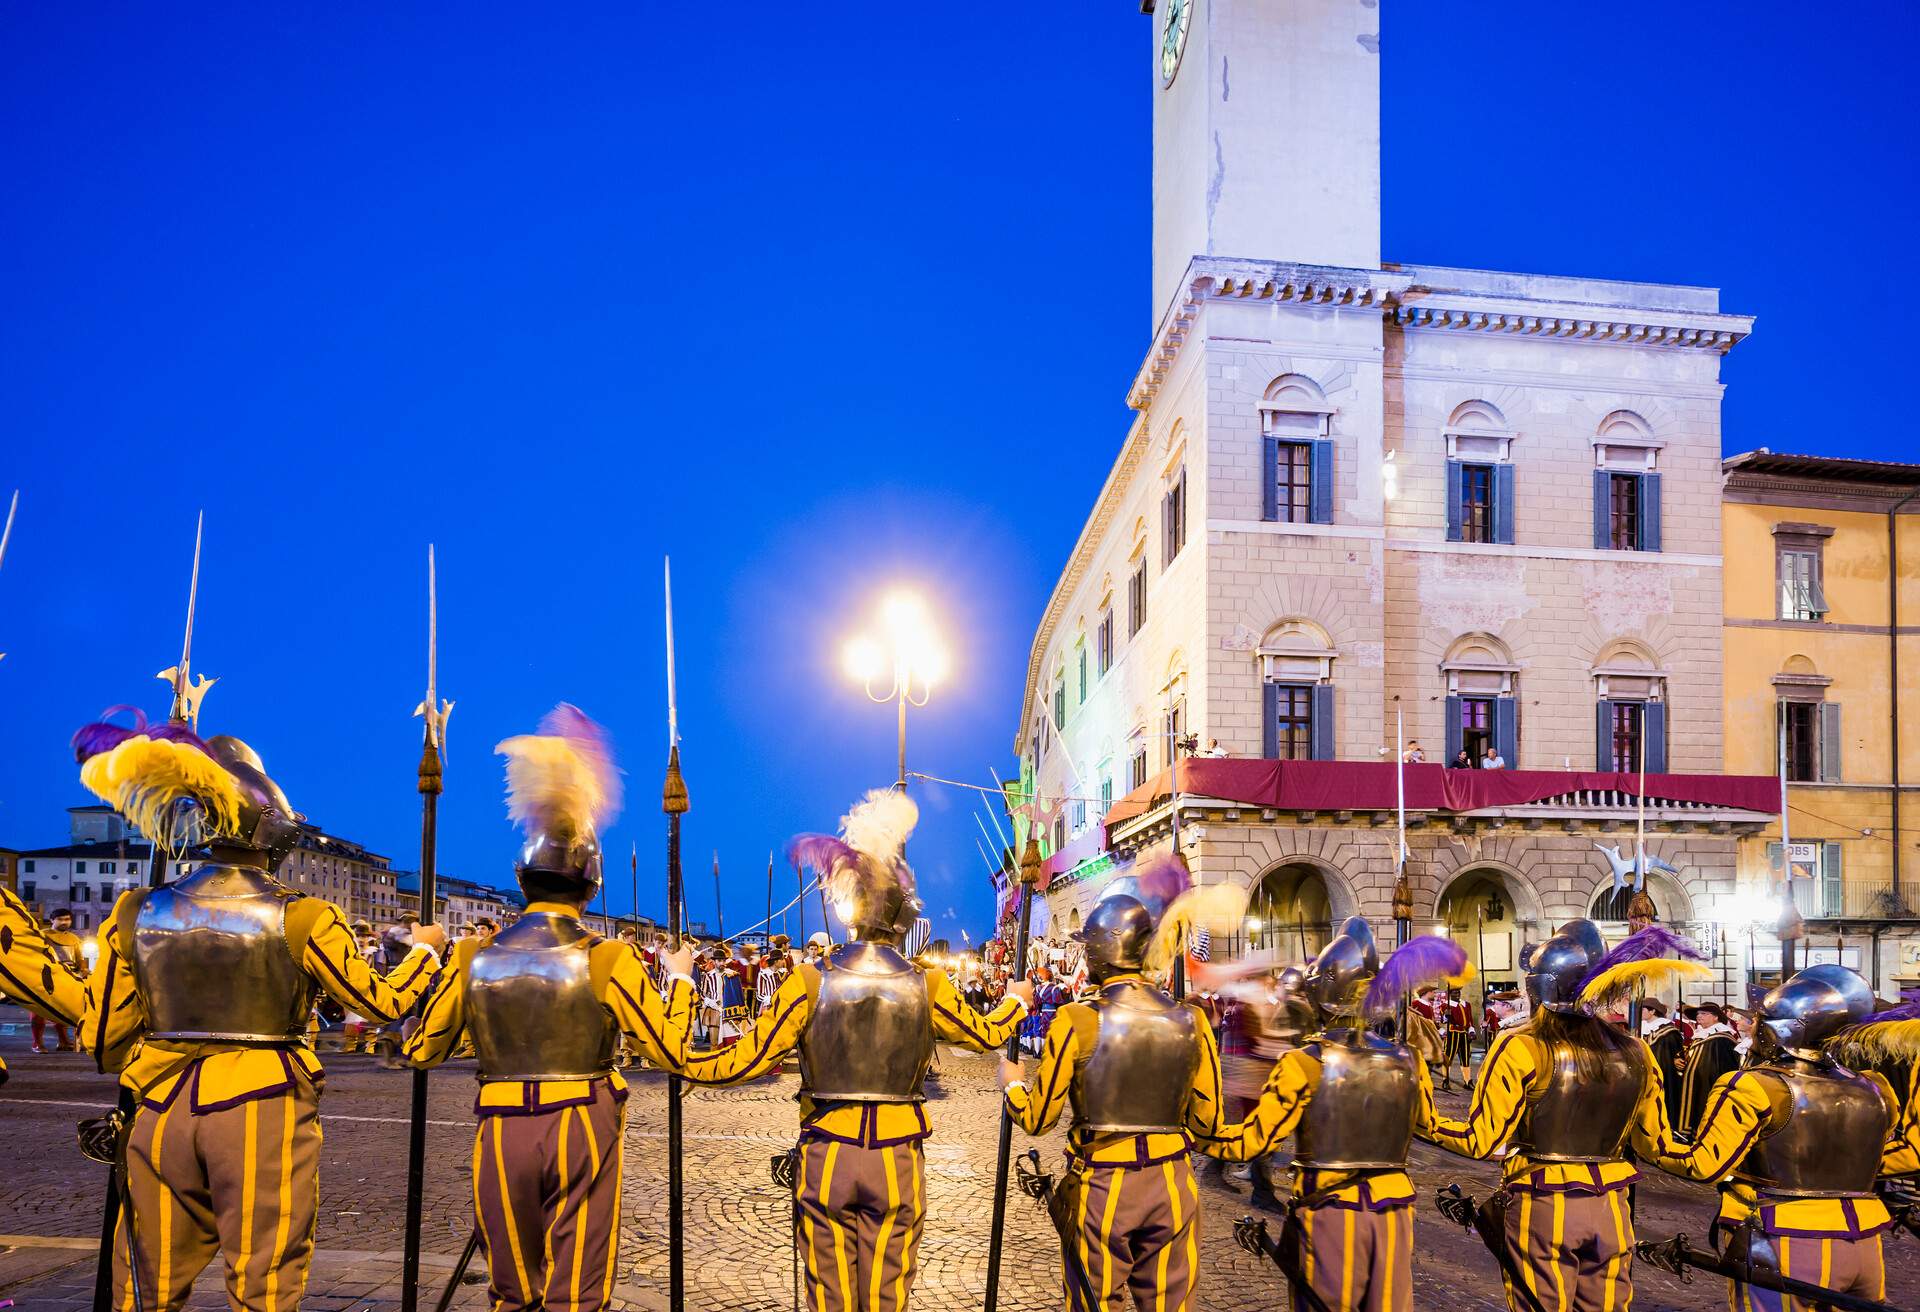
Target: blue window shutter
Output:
{"points": [[1653, 736], [1506, 730], [1453, 730], [1320, 490], [1602, 512], [1270, 478], [1649, 512], [1503, 503], [1603, 735], [1323, 722], [1453, 500], [1269, 720]]}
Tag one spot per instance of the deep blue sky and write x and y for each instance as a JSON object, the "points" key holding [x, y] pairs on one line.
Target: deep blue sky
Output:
{"points": [[817, 297]]}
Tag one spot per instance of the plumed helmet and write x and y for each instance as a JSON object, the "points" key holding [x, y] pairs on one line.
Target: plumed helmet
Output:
{"points": [[864, 871], [1557, 967], [562, 787], [268, 822], [1335, 980], [1810, 1008], [1116, 934]]}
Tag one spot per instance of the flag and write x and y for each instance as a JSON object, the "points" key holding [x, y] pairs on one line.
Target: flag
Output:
{"points": [[1200, 946]]}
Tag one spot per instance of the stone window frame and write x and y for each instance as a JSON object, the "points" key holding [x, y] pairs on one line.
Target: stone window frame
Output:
{"points": [[1296, 651], [1625, 443], [1795, 538], [1478, 443]]}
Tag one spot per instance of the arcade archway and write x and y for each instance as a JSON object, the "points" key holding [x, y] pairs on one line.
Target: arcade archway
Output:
{"points": [[1490, 914], [1290, 914]]}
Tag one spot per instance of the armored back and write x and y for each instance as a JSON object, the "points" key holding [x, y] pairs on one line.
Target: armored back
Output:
{"points": [[871, 1036], [1361, 1115], [531, 1005], [212, 961], [1830, 1140], [1576, 1118], [1139, 1076]]}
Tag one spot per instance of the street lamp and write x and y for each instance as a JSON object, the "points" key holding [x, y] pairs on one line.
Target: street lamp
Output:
{"points": [[912, 649]]}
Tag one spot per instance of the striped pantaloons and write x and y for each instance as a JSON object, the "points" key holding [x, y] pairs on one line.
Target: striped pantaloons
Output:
{"points": [[1138, 1236], [859, 1213], [240, 1181], [546, 1193], [1575, 1250], [1844, 1265], [1356, 1260]]}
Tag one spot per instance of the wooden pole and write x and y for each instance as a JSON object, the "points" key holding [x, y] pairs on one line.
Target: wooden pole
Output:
{"points": [[1028, 876]]}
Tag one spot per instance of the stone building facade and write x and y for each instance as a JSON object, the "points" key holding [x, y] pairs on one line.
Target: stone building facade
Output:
{"points": [[1476, 509]]}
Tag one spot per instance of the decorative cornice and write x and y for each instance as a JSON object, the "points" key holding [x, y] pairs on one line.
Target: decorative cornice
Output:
{"points": [[1408, 305]]}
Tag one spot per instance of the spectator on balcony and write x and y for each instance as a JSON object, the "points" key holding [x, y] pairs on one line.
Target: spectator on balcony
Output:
{"points": [[1493, 760], [1214, 749], [1461, 761], [1415, 754]]}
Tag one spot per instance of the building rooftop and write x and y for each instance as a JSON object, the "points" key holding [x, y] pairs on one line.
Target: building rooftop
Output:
{"points": [[1841, 468]]}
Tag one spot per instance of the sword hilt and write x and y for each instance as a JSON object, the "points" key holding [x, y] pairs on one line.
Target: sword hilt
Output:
{"points": [[782, 1167], [1250, 1232], [1667, 1255], [1034, 1182]]}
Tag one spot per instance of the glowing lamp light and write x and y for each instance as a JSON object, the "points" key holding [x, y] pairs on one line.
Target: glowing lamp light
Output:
{"points": [[863, 660], [1390, 476]]}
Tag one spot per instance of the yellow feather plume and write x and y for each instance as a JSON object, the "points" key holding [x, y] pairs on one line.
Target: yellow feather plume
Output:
{"points": [[1619, 984], [553, 785], [144, 779], [1217, 907], [1464, 978], [1872, 1045]]}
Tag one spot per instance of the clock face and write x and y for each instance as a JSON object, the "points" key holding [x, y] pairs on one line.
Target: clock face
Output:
{"points": [[1173, 38]]}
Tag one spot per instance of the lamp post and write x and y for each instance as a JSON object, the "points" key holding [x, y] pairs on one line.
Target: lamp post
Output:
{"points": [[912, 650]]}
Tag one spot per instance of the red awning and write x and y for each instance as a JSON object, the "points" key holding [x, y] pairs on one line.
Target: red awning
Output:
{"points": [[1369, 786]]}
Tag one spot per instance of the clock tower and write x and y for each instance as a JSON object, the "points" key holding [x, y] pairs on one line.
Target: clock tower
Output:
{"points": [[1266, 133]]}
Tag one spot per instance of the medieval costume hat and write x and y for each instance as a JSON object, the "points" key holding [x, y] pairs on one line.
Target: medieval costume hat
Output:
{"points": [[562, 787], [1558, 967], [1426, 959], [1800, 1015], [1334, 981], [183, 792], [1639, 963], [864, 871], [1144, 917]]}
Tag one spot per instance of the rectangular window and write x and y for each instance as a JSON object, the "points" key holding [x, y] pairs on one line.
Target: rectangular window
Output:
{"points": [[1476, 728], [26, 890], [1176, 729], [1628, 723], [1623, 512], [1060, 699], [1801, 594], [106, 867], [1137, 768], [79, 867], [81, 893], [1801, 721], [1103, 643], [1293, 721], [1476, 503], [26, 867], [1081, 655], [1137, 599], [1173, 518], [1293, 488], [1106, 791]]}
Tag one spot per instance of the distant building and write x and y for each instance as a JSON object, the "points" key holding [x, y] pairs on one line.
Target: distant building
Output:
{"points": [[102, 859]]}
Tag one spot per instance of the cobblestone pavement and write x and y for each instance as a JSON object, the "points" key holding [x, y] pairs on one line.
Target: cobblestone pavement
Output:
{"points": [[737, 1219]]}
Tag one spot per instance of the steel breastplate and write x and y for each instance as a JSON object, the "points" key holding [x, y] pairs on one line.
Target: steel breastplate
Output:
{"points": [[212, 962], [871, 1035], [531, 1006], [1361, 1115], [1139, 1077], [1579, 1119], [1830, 1141]]}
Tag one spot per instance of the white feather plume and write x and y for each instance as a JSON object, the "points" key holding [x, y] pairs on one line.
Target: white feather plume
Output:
{"points": [[878, 825]]}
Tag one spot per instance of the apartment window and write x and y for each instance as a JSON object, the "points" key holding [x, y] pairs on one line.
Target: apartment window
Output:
{"points": [[1476, 728], [1632, 734], [1626, 511], [1173, 518], [1810, 733], [1106, 791], [1176, 729], [82, 893], [1293, 482], [79, 867], [1799, 552], [1136, 768], [26, 866], [1080, 654], [27, 890], [1103, 642], [1292, 721], [1627, 741], [1819, 892], [1079, 815], [1060, 698], [1137, 599], [106, 867], [1059, 831]]}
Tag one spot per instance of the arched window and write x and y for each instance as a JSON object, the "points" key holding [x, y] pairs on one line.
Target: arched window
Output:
{"points": [[1809, 723], [1630, 720], [1626, 485], [1483, 710], [1296, 452], [1296, 671]]}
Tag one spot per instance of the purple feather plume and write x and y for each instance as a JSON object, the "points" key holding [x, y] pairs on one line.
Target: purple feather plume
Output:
{"points": [[90, 740], [1428, 959], [1899, 1011], [820, 853], [1161, 881], [1653, 941]]}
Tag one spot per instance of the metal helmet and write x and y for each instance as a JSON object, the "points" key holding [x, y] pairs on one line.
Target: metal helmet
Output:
{"points": [[562, 788], [268, 822], [1810, 1008], [567, 860], [1334, 981], [1116, 934], [877, 899], [1557, 968]]}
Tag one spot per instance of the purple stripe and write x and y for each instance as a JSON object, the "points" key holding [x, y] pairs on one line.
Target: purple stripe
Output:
{"points": [[759, 1056], [358, 1003]]}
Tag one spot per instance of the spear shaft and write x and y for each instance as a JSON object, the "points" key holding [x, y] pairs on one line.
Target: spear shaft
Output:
{"points": [[673, 801], [429, 782]]}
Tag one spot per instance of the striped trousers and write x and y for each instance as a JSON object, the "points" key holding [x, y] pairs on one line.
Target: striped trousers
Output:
{"points": [[546, 1196], [1138, 1236], [1844, 1265], [1574, 1250], [1356, 1260], [241, 1181], [859, 1213]]}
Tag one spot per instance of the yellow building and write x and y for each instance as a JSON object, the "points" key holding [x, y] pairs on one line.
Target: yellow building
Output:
{"points": [[1822, 646]]}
